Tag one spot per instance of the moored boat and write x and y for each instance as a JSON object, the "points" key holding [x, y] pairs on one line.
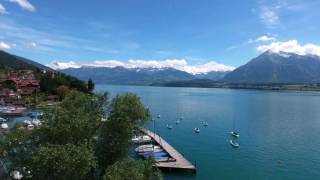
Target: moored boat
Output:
{"points": [[196, 130], [141, 139], [234, 144], [235, 134], [148, 148], [4, 126]]}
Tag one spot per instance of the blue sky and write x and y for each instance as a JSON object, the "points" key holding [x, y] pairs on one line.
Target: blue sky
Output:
{"points": [[197, 31]]}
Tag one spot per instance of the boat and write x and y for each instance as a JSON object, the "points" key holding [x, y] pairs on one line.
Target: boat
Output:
{"points": [[205, 124], [16, 175], [162, 159], [27, 122], [158, 116], [169, 126], [177, 121], [235, 134], [4, 126], [36, 114], [148, 148], [36, 122], [141, 139], [234, 144], [196, 130], [30, 126], [154, 154]]}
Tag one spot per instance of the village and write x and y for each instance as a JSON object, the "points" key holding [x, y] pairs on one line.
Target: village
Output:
{"points": [[18, 96]]}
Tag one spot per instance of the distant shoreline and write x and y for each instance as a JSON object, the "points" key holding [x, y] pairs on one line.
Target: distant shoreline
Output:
{"points": [[219, 85]]}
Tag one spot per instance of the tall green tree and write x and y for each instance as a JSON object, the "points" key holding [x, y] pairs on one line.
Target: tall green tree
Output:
{"points": [[127, 115], [63, 162]]}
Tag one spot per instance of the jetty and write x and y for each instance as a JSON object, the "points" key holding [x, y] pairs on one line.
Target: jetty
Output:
{"points": [[178, 162]]}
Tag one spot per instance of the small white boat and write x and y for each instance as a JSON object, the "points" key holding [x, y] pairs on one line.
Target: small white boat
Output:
{"points": [[169, 126], [158, 116], [148, 148], [36, 122], [4, 126], [196, 130], [27, 122], [141, 139], [177, 121], [205, 124], [235, 134], [234, 144], [30, 126], [16, 174]]}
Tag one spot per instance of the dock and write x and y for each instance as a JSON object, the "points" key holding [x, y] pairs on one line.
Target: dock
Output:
{"points": [[179, 162]]}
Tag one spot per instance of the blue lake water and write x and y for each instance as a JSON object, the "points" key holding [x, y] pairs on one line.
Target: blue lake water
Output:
{"points": [[273, 127]]}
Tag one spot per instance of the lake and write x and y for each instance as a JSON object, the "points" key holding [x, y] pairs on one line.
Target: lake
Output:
{"points": [[279, 131]]}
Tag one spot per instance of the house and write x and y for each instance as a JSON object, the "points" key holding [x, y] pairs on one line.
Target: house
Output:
{"points": [[53, 98]]}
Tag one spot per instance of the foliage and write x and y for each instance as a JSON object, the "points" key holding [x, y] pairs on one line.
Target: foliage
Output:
{"points": [[62, 162], [62, 91], [127, 114], [128, 169], [50, 85], [75, 120], [66, 147]]}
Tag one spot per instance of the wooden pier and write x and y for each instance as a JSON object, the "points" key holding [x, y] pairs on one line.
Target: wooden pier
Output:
{"points": [[179, 162]]}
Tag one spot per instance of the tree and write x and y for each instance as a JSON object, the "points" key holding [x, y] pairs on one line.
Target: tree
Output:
{"points": [[75, 120], [73, 142], [128, 169], [62, 162], [127, 115], [63, 147], [62, 91], [90, 85]]}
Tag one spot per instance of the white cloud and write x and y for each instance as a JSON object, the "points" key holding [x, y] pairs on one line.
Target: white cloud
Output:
{"points": [[180, 64], [4, 45], [291, 46], [25, 4], [265, 38], [64, 65], [2, 9], [269, 17]]}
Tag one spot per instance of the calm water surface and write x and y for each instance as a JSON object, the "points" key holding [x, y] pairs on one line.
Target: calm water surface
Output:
{"points": [[273, 126]]}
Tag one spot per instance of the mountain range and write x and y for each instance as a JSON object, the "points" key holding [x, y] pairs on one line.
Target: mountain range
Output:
{"points": [[140, 76], [281, 67], [269, 67]]}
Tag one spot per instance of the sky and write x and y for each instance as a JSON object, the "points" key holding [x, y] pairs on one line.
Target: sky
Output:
{"points": [[194, 35]]}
